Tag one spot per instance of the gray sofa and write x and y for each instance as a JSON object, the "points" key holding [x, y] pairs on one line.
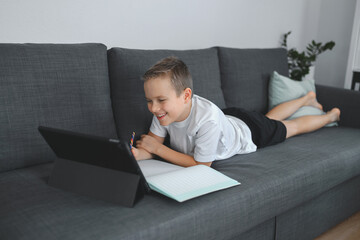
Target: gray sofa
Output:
{"points": [[294, 190]]}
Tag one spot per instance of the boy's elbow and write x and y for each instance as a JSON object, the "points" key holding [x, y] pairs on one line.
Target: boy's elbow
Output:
{"points": [[204, 163]]}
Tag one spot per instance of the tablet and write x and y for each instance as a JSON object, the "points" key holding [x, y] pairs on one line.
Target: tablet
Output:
{"points": [[93, 150]]}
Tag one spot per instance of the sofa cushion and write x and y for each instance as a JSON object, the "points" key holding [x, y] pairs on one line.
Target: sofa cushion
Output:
{"points": [[57, 85], [32, 210], [273, 180], [127, 66], [280, 177], [245, 75], [283, 89]]}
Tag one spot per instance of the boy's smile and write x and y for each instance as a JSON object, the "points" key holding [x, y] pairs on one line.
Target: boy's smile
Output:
{"points": [[163, 101]]}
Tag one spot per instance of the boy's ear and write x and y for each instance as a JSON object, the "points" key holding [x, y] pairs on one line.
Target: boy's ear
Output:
{"points": [[187, 94]]}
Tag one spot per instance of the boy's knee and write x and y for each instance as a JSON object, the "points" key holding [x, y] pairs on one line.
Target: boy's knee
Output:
{"points": [[269, 115], [291, 128]]}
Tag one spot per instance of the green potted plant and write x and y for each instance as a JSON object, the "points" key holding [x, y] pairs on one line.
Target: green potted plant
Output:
{"points": [[300, 62]]}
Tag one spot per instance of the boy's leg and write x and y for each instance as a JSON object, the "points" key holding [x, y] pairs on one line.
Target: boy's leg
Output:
{"points": [[286, 109], [311, 123]]}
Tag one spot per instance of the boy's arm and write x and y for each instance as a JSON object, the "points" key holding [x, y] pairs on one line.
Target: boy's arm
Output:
{"points": [[154, 145]]}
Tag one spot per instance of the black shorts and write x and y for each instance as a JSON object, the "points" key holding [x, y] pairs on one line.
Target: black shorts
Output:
{"points": [[264, 131]]}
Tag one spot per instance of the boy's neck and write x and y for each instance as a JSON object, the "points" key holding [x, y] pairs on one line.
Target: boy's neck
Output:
{"points": [[187, 110]]}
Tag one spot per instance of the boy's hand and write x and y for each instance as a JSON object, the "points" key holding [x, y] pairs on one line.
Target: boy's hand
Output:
{"points": [[148, 143], [140, 154], [153, 145], [135, 153]]}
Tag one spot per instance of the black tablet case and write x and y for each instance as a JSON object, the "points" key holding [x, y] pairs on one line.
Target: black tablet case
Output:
{"points": [[94, 166]]}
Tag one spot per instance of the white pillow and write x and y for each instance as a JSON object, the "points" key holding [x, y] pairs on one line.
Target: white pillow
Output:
{"points": [[283, 89]]}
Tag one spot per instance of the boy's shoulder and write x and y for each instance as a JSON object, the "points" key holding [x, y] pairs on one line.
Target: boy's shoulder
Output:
{"points": [[205, 111], [204, 104]]}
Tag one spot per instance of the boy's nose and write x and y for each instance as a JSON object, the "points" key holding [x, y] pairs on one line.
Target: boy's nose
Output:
{"points": [[154, 107]]}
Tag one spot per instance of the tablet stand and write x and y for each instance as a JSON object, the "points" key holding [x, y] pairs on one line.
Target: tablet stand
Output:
{"points": [[98, 182]]}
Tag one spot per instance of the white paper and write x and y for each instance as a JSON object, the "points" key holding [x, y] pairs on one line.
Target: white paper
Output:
{"points": [[154, 167], [188, 180], [182, 183]]}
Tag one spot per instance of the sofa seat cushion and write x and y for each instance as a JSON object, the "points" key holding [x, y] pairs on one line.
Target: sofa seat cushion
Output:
{"points": [[30, 209], [273, 180], [126, 68], [277, 178]]}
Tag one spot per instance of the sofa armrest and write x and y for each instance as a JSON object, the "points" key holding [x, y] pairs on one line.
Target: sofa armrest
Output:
{"points": [[348, 101]]}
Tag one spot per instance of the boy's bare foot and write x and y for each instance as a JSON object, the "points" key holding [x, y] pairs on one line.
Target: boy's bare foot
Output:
{"points": [[334, 114], [312, 100]]}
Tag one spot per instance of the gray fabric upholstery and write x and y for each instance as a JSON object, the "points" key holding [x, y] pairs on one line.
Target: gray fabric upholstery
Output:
{"points": [[245, 75], [33, 210], [273, 180], [277, 178], [263, 231], [127, 66], [67, 86], [56, 85], [326, 211], [348, 101]]}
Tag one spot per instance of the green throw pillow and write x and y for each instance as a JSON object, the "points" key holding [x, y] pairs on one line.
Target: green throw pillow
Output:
{"points": [[283, 89]]}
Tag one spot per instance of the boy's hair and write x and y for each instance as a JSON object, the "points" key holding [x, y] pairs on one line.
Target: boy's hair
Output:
{"points": [[177, 71]]}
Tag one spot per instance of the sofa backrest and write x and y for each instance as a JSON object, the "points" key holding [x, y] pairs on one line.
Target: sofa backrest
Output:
{"points": [[245, 75], [56, 85], [127, 66]]}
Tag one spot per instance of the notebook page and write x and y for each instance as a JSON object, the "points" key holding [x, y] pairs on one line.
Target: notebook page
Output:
{"points": [[190, 182], [154, 167]]}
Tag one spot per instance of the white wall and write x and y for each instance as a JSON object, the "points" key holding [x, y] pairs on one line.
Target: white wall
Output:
{"points": [[335, 23], [353, 63], [173, 24], [180, 24]]}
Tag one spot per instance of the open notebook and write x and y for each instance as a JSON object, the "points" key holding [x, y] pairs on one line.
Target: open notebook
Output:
{"points": [[182, 183]]}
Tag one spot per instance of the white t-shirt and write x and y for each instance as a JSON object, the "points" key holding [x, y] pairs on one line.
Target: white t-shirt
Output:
{"points": [[207, 134]]}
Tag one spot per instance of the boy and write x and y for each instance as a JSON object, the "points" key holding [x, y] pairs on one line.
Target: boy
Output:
{"points": [[200, 132]]}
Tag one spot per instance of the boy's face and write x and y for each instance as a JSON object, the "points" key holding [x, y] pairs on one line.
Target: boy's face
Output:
{"points": [[164, 103]]}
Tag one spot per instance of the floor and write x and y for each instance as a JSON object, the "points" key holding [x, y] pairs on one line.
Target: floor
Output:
{"points": [[347, 230]]}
